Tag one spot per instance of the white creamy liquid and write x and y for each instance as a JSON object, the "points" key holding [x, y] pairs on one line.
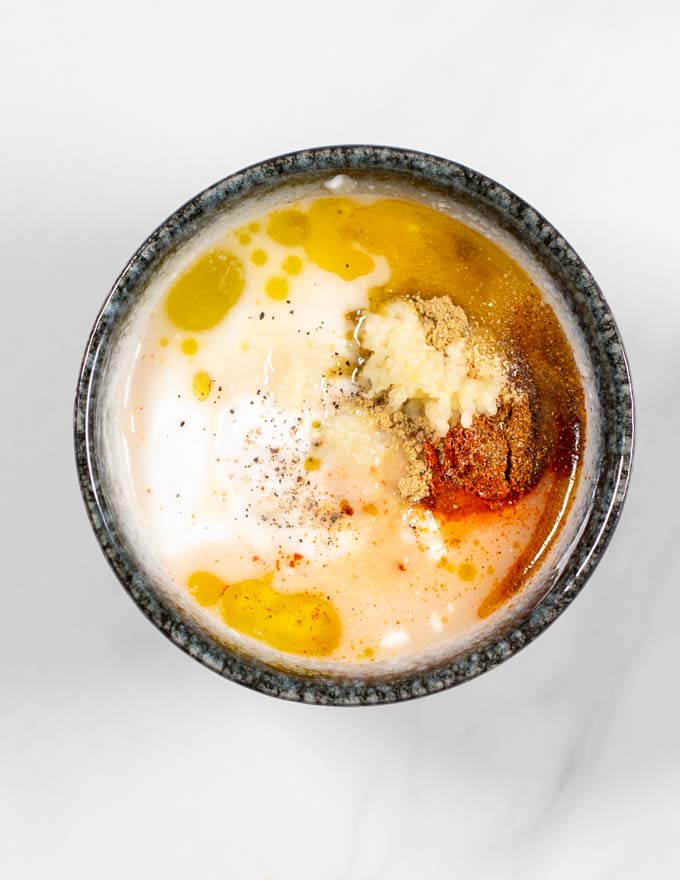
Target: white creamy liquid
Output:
{"points": [[230, 484]]}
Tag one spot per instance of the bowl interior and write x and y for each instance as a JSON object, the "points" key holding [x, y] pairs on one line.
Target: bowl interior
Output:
{"points": [[589, 326]]}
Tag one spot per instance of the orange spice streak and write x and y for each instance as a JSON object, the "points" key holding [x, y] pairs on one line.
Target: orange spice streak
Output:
{"points": [[453, 504]]}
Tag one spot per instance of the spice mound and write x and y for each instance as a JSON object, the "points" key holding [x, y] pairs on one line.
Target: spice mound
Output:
{"points": [[466, 423], [423, 356]]}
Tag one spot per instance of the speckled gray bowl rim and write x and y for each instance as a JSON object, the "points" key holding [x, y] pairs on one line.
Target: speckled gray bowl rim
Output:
{"points": [[611, 382]]}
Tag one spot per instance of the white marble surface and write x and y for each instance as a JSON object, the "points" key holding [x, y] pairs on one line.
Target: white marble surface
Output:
{"points": [[119, 756]]}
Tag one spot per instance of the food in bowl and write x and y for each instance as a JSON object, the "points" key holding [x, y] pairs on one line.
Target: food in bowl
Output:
{"points": [[348, 424]]}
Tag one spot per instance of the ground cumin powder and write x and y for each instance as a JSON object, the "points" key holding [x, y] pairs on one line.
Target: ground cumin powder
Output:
{"points": [[442, 321]]}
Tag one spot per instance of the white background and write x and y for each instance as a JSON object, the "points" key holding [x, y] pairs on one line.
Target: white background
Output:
{"points": [[121, 757]]}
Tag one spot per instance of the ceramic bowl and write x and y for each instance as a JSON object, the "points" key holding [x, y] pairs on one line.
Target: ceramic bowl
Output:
{"points": [[589, 324]]}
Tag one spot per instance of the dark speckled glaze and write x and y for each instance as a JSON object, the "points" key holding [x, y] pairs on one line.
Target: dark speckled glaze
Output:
{"points": [[611, 384]]}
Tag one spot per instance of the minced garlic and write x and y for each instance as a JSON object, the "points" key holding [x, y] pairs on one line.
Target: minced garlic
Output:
{"points": [[448, 386]]}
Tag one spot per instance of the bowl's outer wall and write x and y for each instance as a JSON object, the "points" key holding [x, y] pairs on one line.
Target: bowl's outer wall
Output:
{"points": [[588, 309]]}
